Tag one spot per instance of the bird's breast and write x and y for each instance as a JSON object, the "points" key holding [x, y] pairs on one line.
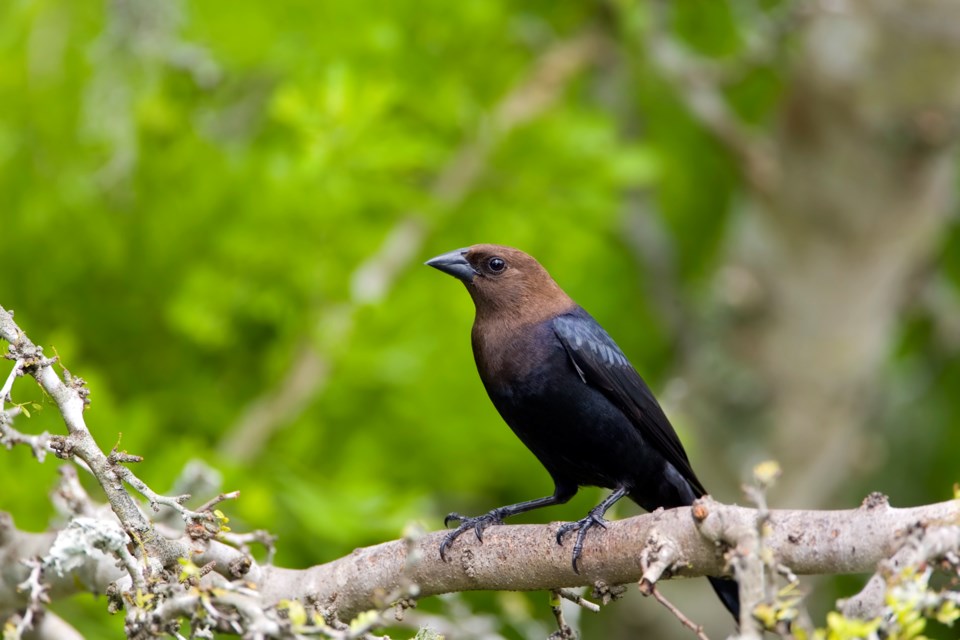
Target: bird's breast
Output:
{"points": [[510, 356], [531, 380]]}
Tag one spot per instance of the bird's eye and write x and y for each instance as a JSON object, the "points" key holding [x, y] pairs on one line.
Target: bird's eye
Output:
{"points": [[496, 265]]}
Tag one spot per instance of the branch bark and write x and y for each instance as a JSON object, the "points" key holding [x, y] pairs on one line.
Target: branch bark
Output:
{"points": [[527, 557], [917, 552]]}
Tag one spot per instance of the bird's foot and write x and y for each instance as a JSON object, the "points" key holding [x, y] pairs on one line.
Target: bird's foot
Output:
{"points": [[581, 527], [478, 524]]}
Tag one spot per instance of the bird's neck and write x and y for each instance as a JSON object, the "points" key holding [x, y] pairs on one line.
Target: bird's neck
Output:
{"points": [[506, 339], [520, 306]]}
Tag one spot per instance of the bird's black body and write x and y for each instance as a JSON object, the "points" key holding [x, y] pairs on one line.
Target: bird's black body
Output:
{"points": [[572, 405], [569, 393]]}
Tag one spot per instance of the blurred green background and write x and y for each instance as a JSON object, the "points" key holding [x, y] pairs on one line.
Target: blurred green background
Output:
{"points": [[216, 213]]}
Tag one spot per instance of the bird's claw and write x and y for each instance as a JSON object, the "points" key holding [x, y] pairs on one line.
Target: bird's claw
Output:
{"points": [[581, 527], [478, 524], [453, 517]]}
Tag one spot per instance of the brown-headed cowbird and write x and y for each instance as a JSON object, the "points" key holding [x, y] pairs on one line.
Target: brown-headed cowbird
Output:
{"points": [[571, 396]]}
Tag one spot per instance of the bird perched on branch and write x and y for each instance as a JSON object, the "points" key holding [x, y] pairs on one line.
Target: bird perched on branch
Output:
{"points": [[571, 396]]}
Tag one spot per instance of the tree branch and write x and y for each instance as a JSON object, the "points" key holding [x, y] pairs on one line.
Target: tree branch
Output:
{"points": [[922, 547], [527, 557], [72, 397]]}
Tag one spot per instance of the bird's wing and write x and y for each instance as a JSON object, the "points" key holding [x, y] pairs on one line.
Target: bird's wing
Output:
{"points": [[601, 364]]}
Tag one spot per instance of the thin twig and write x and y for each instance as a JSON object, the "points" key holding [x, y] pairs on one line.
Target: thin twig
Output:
{"points": [[679, 615], [564, 631], [242, 541], [39, 444], [155, 499], [8, 435], [212, 502], [36, 597], [578, 600], [8, 385]]}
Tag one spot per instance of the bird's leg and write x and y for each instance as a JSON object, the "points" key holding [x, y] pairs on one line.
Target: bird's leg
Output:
{"points": [[496, 516], [593, 519]]}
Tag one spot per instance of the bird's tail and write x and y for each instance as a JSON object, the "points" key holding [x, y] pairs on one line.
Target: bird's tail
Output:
{"points": [[729, 594]]}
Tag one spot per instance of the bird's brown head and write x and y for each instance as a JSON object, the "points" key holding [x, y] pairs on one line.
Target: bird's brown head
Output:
{"points": [[504, 282]]}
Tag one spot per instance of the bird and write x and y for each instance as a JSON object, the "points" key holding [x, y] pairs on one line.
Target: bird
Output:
{"points": [[569, 393]]}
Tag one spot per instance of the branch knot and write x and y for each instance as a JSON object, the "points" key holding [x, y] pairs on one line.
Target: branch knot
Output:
{"points": [[657, 558]]}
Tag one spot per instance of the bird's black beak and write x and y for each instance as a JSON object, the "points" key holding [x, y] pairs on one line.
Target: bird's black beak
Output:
{"points": [[455, 264]]}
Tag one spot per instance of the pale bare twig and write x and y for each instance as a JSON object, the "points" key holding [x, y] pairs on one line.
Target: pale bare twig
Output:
{"points": [[578, 600], [39, 444], [212, 502], [564, 631], [242, 541], [659, 555], [36, 597], [8, 435], [17, 370], [679, 615]]}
